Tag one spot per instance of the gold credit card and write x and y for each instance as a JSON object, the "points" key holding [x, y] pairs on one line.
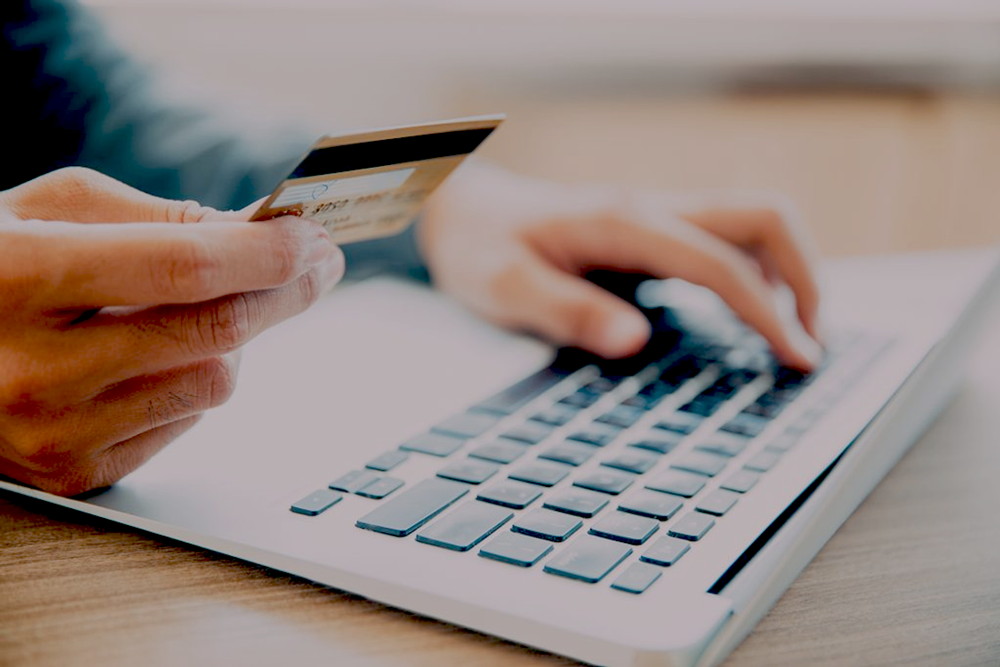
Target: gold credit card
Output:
{"points": [[370, 184]]}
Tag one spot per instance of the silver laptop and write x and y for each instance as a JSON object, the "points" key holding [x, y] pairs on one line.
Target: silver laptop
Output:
{"points": [[647, 512]]}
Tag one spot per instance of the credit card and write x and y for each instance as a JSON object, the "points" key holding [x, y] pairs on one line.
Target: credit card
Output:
{"points": [[369, 184]]}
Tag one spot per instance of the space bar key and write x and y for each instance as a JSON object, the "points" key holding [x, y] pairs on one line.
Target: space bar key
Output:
{"points": [[413, 508]]}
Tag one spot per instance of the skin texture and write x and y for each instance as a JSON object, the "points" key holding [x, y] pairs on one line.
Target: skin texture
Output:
{"points": [[120, 321], [513, 249]]}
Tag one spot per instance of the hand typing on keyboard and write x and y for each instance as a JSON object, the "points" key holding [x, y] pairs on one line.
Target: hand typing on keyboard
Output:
{"points": [[513, 249]]}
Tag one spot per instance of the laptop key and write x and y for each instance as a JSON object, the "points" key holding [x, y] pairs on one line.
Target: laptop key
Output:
{"points": [[516, 549], [741, 481], [717, 502], [598, 435], [665, 551], [542, 473], [547, 525], [317, 502], [557, 415], [388, 461], [411, 509], [465, 527], [580, 399], [658, 444], [746, 424], [588, 559], [530, 433], [702, 463], [435, 444], [702, 406], [499, 451], [508, 493], [623, 416], [353, 481], [623, 527], [469, 471], [727, 444], [467, 425], [636, 578], [762, 461], [692, 527], [678, 483], [782, 443], [633, 460], [577, 502], [601, 385], [517, 396], [380, 488], [643, 401], [572, 453], [680, 422], [606, 481], [657, 506]]}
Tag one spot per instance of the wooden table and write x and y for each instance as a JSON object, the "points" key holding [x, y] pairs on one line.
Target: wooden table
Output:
{"points": [[910, 579]]}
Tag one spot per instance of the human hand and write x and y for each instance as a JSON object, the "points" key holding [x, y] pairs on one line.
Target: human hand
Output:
{"points": [[513, 249], [114, 335]]}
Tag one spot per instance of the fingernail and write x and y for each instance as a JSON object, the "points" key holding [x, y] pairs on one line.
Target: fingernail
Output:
{"points": [[626, 333], [320, 250]]}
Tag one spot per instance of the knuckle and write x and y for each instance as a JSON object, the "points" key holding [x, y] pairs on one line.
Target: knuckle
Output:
{"points": [[24, 393], [310, 287], [288, 250], [225, 325], [184, 211], [216, 381], [44, 451], [230, 323], [27, 445], [189, 272], [78, 182], [18, 392]]}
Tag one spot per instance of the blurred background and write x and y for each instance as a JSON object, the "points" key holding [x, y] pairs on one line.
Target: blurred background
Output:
{"points": [[881, 117]]}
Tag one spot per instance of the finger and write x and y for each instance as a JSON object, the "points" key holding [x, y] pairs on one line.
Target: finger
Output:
{"points": [[113, 347], [569, 310], [124, 457], [140, 404], [66, 265], [82, 195], [91, 468], [780, 243], [706, 260], [643, 239]]}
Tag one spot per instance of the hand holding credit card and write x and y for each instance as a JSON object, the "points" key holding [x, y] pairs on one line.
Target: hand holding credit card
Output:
{"points": [[370, 184]]}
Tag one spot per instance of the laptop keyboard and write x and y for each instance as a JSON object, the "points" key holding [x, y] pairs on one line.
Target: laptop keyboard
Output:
{"points": [[583, 464]]}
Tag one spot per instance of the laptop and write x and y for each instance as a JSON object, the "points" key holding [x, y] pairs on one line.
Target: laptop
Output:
{"points": [[643, 512]]}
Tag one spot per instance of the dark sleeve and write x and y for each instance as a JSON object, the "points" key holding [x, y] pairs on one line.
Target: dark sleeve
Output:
{"points": [[81, 101]]}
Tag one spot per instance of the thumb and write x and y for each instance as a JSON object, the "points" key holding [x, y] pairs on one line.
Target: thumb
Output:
{"points": [[572, 311], [76, 194]]}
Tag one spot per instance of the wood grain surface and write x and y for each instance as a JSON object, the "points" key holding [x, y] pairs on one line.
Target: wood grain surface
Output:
{"points": [[913, 578]]}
